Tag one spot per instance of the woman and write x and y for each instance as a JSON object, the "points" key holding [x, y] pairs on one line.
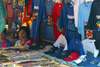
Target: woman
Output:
{"points": [[24, 36]]}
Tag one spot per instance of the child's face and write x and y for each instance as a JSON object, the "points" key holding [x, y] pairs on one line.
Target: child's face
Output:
{"points": [[22, 34], [2, 36]]}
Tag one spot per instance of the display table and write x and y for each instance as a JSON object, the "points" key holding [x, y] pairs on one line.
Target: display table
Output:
{"points": [[21, 57]]}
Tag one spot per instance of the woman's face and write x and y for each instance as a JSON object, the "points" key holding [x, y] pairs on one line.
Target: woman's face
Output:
{"points": [[22, 34]]}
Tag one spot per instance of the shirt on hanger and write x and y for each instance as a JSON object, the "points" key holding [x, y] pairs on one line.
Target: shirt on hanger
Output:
{"points": [[67, 20], [49, 33], [56, 15], [84, 12], [76, 9], [94, 23], [38, 10]]}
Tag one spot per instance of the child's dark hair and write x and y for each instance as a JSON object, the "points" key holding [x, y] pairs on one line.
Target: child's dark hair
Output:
{"points": [[26, 29], [4, 31]]}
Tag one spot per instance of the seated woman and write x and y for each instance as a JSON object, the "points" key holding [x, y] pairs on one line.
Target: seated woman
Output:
{"points": [[3, 41], [24, 35]]}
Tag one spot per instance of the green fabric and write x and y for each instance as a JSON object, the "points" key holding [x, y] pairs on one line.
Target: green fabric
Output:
{"points": [[2, 24], [2, 4], [3, 13]]}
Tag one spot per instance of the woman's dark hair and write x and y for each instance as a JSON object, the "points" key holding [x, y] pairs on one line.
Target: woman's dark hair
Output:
{"points": [[26, 29]]}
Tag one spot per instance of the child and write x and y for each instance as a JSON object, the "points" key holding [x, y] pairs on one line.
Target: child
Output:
{"points": [[3, 41], [24, 35]]}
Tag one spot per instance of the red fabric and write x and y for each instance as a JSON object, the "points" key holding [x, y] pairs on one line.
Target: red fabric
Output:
{"points": [[4, 45], [56, 12], [29, 44], [73, 56], [29, 7], [10, 11]]}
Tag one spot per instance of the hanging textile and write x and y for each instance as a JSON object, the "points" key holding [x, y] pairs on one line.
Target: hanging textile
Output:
{"points": [[3, 13]]}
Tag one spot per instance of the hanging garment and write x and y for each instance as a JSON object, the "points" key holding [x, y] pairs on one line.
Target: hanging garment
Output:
{"points": [[94, 23], [3, 13], [84, 12], [13, 4], [48, 25], [10, 11], [67, 20], [56, 14], [38, 10], [76, 9], [18, 16]]}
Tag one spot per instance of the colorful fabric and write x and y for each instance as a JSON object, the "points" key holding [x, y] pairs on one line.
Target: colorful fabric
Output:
{"points": [[21, 3], [18, 18], [13, 4], [56, 14]]}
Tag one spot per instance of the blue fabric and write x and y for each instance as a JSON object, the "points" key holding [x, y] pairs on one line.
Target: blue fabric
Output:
{"points": [[92, 65], [64, 21], [57, 52], [90, 61], [38, 7], [7, 45], [84, 12], [49, 32], [75, 45]]}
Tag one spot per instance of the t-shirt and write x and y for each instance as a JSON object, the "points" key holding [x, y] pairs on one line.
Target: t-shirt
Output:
{"points": [[84, 12], [67, 20], [94, 23], [76, 46], [26, 44], [4, 44], [49, 33], [89, 47], [76, 9], [38, 10], [56, 16]]}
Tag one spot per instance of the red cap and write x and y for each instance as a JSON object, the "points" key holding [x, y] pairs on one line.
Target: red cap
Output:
{"points": [[72, 56]]}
